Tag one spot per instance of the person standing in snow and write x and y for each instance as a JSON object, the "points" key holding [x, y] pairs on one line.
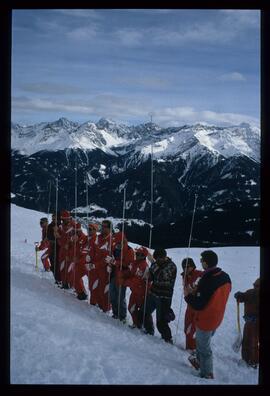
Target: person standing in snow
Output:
{"points": [[86, 260], [250, 343], [63, 234], [99, 273], [191, 277], [209, 301], [44, 244], [134, 279], [118, 265], [162, 273], [76, 269], [54, 248]]}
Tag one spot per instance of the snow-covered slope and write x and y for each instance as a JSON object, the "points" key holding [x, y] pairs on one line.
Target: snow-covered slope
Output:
{"points": [[56, 339]]}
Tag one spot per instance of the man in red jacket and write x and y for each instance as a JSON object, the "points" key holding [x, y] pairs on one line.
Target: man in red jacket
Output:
{"points": [[99, 274], [77, 269], [44, 244], [63, 234], [134, 279], [191, 277], [209, 300], [118, 265], [87, 258]]}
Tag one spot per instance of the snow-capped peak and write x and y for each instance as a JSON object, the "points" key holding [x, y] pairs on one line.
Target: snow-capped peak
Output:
{"points": [[108, 136]]}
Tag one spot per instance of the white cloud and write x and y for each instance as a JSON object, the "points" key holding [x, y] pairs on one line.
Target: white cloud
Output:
{"points": [[129, 110], [234, 76], [52, 88], [83, 13], [83, 33], [129, 37]]}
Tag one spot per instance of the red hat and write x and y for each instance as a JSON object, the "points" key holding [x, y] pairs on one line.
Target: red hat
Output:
{"points": [[142, 250], [93, 225], [65, 214]]}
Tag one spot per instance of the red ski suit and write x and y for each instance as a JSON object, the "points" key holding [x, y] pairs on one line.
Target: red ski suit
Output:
{"points": [[76, 269], [99, 276], [45, 244], [65, 233], [190, 328], [134, 280], [128, 257]]}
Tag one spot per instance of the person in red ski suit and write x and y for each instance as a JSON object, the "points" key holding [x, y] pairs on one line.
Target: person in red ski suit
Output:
{"points": [[134, 279], [76, 269], [54, 248], [250, 343], [87, 259], [99, 277], [118, 264], [45, 244], [191, 277], [63, 234]]}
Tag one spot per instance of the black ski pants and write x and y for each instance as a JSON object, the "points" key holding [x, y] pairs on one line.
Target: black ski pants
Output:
{"points": [[162, 306]]}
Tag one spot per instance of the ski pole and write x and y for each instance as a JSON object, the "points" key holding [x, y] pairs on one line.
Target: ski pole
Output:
{"points": [[55, 242], [75, 244], [48, 206], [109, 274], [86, 190], [151, 226], [185, 271], [238, 342], [122, 243], [36, 246]]}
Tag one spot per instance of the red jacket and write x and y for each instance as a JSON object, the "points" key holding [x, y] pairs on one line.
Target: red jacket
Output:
{"points": [[76, 247], [210, 299], [192, 278], [101, 249], [133, 278]]}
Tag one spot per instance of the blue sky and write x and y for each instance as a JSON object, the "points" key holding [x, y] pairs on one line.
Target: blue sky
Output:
{"points": [[183, 66]]}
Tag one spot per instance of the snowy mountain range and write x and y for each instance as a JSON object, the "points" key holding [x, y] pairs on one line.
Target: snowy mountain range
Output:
{"points": [[220, 164]]}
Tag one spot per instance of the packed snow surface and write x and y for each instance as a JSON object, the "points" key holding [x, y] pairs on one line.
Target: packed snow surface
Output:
{"points": [[57, 339]]}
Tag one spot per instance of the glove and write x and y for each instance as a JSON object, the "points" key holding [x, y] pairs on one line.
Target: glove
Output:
{"points": [[87, 258], [237, 295], [36, 249], [109, 260]]}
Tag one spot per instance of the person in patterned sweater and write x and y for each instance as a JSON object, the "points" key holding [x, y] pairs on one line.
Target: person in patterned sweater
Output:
{"points": [[162, 273]]}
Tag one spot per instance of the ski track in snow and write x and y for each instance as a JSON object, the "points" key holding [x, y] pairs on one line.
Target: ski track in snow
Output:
{"points": [[57, 339]]}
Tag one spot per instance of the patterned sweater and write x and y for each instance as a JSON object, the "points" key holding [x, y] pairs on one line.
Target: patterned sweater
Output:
{"points": [[163, 278]]}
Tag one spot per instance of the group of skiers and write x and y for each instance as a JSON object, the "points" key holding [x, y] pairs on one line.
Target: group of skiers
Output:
{"points": [[111, 266]]}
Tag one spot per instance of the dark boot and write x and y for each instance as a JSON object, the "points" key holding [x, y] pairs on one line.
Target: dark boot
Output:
{"points": [[82, 296]]}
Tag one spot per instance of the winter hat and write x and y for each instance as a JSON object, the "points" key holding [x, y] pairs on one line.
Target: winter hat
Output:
{"points": [[43, 220], [188, 262], [93, 225], [170, 316], [65, 214], [142, 251]]}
